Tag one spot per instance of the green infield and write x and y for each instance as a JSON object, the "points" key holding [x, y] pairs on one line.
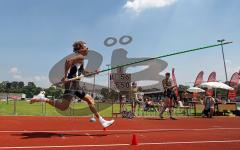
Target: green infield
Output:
{"points": [[23, 108]]}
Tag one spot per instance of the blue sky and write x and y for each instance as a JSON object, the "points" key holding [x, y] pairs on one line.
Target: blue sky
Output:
{"points": [[36, 34]]}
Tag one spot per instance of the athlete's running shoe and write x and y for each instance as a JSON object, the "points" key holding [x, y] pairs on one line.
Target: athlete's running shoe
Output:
{"points": [[39, 98], [105, 123]]}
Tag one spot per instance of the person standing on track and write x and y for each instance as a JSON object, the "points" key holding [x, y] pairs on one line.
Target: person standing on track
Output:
{"points": [[168, 96], [134, 91], [74, 67], [208, 104]]}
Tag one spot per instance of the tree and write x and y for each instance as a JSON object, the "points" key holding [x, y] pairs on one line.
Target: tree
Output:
{"points": [[105, 93], [58, 93], [31, 84], [113, 94], [30, 90], [54, 92], [2, 87], [14, 85], [20, 84]]}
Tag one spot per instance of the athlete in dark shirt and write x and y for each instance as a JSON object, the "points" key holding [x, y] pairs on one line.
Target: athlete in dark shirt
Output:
{"points": [[168, 96], [74, 68]]}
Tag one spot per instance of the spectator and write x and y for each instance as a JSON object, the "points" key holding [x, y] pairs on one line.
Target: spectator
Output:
{"points": [[185, 97], [218, 99], [139, 99], [208, 103], [149, 104]]}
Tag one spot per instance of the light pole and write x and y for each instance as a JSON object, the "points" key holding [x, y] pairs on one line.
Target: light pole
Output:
{"points": [[108, 65], [221, 41]]}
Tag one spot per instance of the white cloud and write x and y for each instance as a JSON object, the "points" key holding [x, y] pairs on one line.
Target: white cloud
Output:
{"points": [[141, 5], [14, 70], [228, 61], [40, 80], [15, 73]]}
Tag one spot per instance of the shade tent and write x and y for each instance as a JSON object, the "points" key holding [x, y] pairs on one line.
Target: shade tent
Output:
{"points": [[195, 90], [216, 85]]}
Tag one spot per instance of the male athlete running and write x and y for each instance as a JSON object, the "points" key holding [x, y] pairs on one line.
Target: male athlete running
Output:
{"points": [[74, 68]]}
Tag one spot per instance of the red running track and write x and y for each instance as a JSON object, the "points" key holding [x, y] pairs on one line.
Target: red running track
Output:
{"points": [[73, 133]]}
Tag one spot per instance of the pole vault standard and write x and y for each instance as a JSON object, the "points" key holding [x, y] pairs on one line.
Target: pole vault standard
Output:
{"points": [[166, 55]]}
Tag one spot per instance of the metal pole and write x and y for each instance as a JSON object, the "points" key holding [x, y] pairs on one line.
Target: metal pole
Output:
{"points": [[15, 108], [42, 109], [94, 83], [224, 62], [225, 68], [45, 109], [108, 65]]}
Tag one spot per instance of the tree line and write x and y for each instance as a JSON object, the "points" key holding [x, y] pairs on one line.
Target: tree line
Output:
{"points": [[30, 89]]}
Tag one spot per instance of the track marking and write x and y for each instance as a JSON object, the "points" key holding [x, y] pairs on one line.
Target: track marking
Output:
{"points": [[115, 145], [147, 130], [89, 135], [192, 142]]}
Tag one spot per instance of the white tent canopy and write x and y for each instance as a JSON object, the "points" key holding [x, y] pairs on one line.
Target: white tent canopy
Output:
{"points": [[195, 90], [216, 85]]}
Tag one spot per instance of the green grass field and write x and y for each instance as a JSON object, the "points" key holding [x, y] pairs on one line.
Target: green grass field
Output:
{"points": [[76, 109], [42, 109]]}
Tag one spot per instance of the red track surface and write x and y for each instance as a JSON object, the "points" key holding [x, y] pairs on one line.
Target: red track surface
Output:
{"points": [[78, 133]]}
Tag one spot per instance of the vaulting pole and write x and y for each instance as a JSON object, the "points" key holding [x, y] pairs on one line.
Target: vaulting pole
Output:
{"points": [[148, 59], [162, 56]]}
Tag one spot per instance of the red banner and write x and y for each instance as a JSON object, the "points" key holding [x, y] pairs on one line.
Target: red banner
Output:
{"points": [[211, 78], [174, 81], [199, 79], [234, 84]]}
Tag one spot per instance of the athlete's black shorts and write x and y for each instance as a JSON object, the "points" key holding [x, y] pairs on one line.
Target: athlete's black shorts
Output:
{"points": [[73, 89], [168, 93]]}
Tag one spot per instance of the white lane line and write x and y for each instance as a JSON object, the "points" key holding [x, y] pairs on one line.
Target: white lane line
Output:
{"points": [[192, 142], [89, 135], [147, 130], [115, 145]]}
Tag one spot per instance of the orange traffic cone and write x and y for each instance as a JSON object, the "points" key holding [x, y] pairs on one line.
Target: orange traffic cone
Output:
{"points": [[134, 139]]}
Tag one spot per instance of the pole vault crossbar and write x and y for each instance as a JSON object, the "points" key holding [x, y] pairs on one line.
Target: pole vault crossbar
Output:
{"points": [[166, 55]]}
